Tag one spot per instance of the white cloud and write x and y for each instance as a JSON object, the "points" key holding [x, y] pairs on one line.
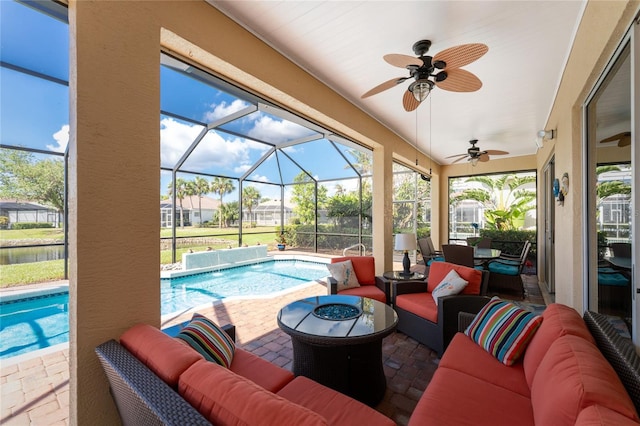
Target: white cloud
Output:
{"points": [[62, 139], [265, 128], [213, 152], [259, 178], [223, 109]]}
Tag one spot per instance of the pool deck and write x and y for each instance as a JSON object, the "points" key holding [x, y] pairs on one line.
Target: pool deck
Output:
{"points": [[35, 388]]}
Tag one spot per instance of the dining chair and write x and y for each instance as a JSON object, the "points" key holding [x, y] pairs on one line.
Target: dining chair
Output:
{"points": [[428, 255], [620, 249], [480, 242], [460, 255]]}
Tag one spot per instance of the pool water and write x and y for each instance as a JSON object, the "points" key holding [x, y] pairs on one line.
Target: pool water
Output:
{"points": [[39, 322]]}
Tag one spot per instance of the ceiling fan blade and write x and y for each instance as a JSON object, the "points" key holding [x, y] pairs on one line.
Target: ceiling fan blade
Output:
{"points": [[402, 61], [459, 56], [624, 139], [384, 86], [459, 80], [457, 155], [409, 102], [459, 159], [484, 157], [495, 152]]}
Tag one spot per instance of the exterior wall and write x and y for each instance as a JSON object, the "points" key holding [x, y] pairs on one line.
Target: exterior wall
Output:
{"points": [[602, 27]]}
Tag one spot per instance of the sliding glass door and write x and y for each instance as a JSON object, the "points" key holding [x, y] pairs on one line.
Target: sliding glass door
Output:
{"points": [[611, 144]]}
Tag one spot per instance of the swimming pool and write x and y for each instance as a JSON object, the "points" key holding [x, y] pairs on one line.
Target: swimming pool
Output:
{"points": [[42, 321]]}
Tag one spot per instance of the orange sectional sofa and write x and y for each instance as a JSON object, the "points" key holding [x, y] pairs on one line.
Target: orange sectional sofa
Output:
{"points": [[156, 379], [562, 379]]}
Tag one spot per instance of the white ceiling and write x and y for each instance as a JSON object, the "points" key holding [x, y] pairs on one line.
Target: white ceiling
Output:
{"points": [[342, 44]]}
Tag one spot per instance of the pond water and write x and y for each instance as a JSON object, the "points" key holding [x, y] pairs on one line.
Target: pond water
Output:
{"points": [[15, 255]]}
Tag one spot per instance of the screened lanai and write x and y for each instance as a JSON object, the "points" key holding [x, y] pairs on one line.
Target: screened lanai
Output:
{"points": [[285, 174], [236, 169]]}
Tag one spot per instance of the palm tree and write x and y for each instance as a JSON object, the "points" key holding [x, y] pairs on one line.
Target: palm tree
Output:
{"points": [[504, 198], [200, 187], [230, 212], [250, 198], [222, 186], [182, 190]]}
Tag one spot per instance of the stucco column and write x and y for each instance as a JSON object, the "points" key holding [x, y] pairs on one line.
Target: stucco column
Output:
{"points": [[114, 189], [383, 209]]}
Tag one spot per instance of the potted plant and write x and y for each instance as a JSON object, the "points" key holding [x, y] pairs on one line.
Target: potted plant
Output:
{"points": [[281, 241]]}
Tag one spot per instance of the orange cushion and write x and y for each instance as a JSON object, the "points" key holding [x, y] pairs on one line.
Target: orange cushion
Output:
{"points": [[335, 407], [259, 371], [455, 398], [363, 266], [597, 415], [557, 320], [226, 398], [370, 291], [439, 270], [421, 304], [573, 375], [164, 355], [484, 365]]}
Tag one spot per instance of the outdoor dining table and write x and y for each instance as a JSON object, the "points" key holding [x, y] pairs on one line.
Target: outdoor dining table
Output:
{"points": [[485, 254], [620, 262]]}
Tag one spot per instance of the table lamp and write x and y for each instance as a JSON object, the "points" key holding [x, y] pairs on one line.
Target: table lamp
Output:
{"points": [[405, 242]]}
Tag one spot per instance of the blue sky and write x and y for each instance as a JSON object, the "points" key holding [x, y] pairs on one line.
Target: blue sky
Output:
{"points": [[34, 112]]}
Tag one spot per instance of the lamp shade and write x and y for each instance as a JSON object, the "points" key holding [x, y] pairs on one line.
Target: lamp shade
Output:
{"points": [[405, 242]]}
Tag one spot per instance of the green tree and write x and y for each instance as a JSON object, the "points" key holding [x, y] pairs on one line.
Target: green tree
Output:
{"points": [[230, 212], [222, 186], [182, 190], [200, 187], [24, 177], [608, 188], [250, 199], [303, 196], [344, 209], [504, 197]]}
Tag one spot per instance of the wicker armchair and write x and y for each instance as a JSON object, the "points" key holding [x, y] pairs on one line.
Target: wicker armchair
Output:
{"points": [[371, 286], [435, 325]]}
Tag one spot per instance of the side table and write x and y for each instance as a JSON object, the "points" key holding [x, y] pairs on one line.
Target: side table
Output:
{"points": [[399, 276]]}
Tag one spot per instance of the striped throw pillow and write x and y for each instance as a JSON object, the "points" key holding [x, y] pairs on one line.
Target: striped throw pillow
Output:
{"points": [[503, 329], [208, 340]]}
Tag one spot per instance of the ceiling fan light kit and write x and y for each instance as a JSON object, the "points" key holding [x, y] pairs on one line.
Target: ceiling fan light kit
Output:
{"points": [[442, 70]]}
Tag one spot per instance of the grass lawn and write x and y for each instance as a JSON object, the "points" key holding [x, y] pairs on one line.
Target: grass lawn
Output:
{"points": [[31, 273], [52, 270], [6, 235]]}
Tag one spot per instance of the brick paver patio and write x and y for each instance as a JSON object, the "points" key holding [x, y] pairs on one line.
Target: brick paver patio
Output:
{"points": [[36, 391]]}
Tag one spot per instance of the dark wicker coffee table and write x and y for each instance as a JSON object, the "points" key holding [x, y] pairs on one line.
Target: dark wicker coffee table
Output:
{"points": [[337, 341]]}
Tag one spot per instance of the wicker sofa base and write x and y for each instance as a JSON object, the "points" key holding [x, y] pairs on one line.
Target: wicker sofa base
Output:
{"points": [[509, 284]]}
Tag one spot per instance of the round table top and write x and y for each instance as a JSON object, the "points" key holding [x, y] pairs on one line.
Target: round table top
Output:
{"points": [[400, 276], [485, 253], [302, 318]]}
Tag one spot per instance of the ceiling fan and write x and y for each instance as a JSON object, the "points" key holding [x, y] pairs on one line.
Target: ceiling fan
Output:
{"points": [[624, 139], [442, 70], [474, 154]]}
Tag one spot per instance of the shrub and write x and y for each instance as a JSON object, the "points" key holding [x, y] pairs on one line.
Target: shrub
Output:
{"points": [[4, 222], [31, 225], [510, 242]]}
